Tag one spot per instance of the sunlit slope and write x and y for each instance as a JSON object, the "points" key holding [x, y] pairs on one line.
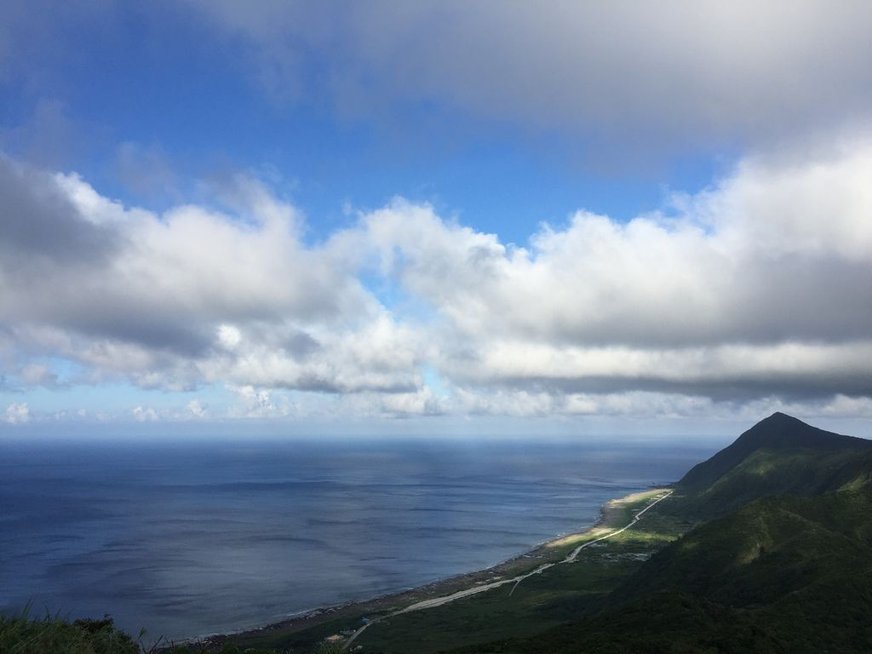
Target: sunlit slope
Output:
{"points": [[779, 455], [765, 550], [783, 574]]}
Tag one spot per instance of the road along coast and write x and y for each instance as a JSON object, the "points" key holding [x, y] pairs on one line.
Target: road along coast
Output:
{"points": [[656, 496]]}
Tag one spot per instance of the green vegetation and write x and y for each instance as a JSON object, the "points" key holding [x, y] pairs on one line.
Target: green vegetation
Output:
{"points": [[786, 566], [779, 455], [24, 635], [783, 574]]}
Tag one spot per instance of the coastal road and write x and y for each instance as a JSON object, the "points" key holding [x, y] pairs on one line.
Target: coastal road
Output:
{"points": [[574, 553], [475, 590]]}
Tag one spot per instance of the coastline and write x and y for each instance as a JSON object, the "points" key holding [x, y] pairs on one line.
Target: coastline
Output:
{"points": [[612, 516]]}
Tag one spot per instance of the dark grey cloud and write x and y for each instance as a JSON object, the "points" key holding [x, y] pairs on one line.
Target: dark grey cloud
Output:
{"points": [[738, 387], [802, 297], [38, 221], [650, 78], [56, 262], [155, 332]]}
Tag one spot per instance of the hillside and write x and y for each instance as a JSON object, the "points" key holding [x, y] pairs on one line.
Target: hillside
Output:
{"points": [[778, 432], [786, 567], [779, 455], [783, 574]]}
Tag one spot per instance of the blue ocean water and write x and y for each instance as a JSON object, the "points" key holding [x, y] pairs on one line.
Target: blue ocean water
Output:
{"points": [[194, 538]]}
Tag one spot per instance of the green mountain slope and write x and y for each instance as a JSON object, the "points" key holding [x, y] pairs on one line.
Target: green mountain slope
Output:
{"points": [[777, 432], [780, 562], [780, 575], [779, 455], [764, 551]]}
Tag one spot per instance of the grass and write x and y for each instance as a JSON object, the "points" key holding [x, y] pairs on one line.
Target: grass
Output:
{"points": [[51, 634], [25, 635]]}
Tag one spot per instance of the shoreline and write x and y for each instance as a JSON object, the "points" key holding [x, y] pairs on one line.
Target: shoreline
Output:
{"points": [[551, 551]]}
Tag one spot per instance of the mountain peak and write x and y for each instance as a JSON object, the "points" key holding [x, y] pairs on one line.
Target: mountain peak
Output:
{"points": [[779, 432], [778, 417], [782, 431]]}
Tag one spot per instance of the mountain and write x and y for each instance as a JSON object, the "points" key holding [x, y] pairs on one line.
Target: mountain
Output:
{"points": [[780, 559], [778, 455], [777, 432]]}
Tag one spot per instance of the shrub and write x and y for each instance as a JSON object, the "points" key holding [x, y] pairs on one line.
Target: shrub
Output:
{"points": [[24, 635]]}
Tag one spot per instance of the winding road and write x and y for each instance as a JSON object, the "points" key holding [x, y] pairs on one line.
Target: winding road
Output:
{"points": [[475, 590]]}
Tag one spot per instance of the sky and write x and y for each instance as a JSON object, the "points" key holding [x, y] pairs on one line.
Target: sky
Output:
{"points": [[434, 218]]}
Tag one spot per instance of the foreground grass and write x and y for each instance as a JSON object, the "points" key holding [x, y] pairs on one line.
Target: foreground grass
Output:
{"points": [[23, 635]]}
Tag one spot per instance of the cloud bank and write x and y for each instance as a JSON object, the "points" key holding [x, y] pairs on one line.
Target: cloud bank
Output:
{"points": [[645, 78], [621, 81], [760, 286]]}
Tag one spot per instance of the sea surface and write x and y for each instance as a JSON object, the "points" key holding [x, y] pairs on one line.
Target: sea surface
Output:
{"points": [[194, 538]]}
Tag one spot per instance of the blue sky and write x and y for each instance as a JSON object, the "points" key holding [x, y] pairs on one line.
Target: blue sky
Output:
{"points": [[434, 217]]}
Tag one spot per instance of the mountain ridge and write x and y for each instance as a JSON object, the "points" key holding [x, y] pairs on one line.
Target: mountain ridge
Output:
{"points": [[778, 431]]}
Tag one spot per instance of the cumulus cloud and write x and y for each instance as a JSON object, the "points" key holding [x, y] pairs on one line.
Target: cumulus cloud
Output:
{"points": [[196, 409], [187, 296], [419, 403], [761, 284], [144, 414], [765, 256], [17, 413], [41, 225], [758, 287]]}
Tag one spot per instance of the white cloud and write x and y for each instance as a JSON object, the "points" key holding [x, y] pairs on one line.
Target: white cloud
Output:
{"points": [[259, 403], [17, 413], [196, 409], [760, 286], [229, 336], [144, 414], [191, 295], [418, 403]]}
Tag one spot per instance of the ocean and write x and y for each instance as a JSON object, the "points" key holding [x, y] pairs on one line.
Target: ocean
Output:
{"points": [[193, 538]]}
